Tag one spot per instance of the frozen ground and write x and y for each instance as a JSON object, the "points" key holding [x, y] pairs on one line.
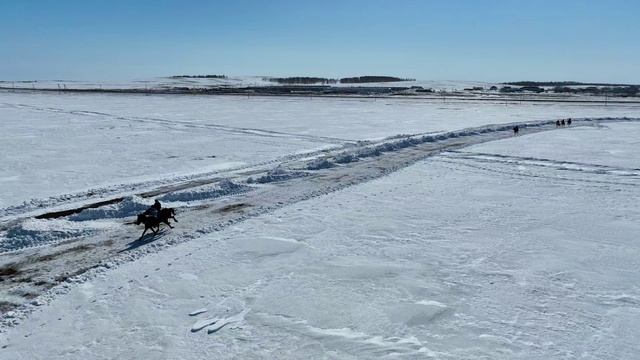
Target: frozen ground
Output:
{"points": [[503, 250], [69, 146]]}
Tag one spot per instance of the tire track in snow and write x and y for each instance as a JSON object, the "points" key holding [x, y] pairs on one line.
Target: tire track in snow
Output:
{"points": [[172, 123], [542, 162], [523, 175]]}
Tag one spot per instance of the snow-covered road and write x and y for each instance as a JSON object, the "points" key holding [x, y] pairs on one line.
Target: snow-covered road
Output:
{"points": [[523, 248]]}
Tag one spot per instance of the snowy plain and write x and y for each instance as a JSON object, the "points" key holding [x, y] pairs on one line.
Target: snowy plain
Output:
{"points": [[57, 144], [517, 248], [523, 248], [233, 81]]}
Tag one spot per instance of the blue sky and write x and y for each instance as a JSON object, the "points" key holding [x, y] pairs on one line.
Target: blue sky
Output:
{"points": [[440, 40]]}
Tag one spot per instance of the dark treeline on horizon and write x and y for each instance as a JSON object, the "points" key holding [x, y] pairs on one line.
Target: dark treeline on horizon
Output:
{"points": [[200, 76], [348, 80], [306, 80], [561, 83], [371, 79]]}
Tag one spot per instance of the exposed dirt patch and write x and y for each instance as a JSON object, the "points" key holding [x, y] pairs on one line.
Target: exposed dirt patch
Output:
{"points": [[75, 249], [234, 207], [6, 306], [9, 270]]}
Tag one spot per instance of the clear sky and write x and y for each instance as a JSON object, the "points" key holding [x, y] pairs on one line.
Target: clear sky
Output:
{"points": [[499, 40]]}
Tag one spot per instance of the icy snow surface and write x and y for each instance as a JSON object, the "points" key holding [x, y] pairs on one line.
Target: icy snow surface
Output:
{"points": [[516, 249]]}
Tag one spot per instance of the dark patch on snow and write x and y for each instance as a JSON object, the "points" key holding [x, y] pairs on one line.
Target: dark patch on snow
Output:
{"points": [[233, 207], [319, 164], [345, 158]]}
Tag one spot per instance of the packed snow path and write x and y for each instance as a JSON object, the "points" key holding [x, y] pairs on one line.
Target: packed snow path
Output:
{"points": [[98, 238], [539, 263]]}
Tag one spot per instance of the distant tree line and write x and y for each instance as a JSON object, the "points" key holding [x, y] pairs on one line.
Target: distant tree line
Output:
{"points": [[560, 83], [509, 89], [371, 79], [624, 91], [620, 90], [302, 80], [200, 76], [307, 80]]}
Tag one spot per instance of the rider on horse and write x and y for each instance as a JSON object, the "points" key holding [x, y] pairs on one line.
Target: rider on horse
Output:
{"points": [[154, 210]]}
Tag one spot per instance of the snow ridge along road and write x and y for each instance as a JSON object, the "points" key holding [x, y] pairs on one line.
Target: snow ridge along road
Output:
{"points": [[94, 238]]}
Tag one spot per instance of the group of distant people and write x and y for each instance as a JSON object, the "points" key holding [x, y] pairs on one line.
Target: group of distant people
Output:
{"points": [[559, 123], [562, 122]]}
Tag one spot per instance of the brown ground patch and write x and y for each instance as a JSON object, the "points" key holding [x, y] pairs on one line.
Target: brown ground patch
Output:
{"points": [[233, 207]]}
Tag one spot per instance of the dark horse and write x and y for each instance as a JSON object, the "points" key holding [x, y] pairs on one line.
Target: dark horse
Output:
{"points": [[166, 214], [151, 222]]}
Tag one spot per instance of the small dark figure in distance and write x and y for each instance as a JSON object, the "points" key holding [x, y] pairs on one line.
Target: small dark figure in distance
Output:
{"points": [[562, 122], [569, 121], [557, 123], [516, 129], [149, 223]]}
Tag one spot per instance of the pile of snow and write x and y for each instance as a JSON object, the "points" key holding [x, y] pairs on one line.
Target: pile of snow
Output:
{"points": [[279, 173], [319, 164], [35, 232], [223, 188], [345, 158], [129, 206]]}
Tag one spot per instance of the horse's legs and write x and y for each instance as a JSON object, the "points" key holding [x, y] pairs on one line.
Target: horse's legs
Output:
{"points": [[145, 230], [167, 222], [174, 218]]}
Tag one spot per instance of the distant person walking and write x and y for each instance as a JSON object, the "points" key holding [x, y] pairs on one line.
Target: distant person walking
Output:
{"points": [[516, 129], [562, 122], [569, 121], [557, 123]]}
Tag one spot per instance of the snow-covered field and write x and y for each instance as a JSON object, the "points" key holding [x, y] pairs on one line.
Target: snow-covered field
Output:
{"points": [[59, 145], [522, 248], [299, 237], [232, 81]]}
